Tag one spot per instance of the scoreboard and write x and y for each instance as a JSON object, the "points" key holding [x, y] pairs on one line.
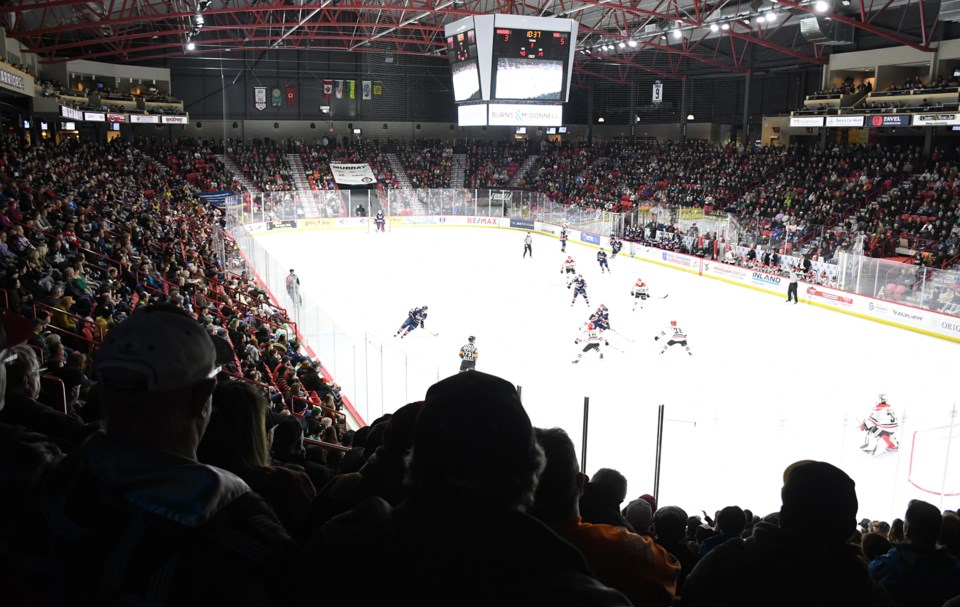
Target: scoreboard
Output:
{"points": [[518, 59], [462, 54], [530, 64]]}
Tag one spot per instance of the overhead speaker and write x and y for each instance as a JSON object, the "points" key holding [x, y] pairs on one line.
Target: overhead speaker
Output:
{"points": [[827, 32]]}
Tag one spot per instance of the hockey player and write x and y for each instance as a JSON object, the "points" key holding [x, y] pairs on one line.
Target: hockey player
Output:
{"points": [[293, 288], [602, 260], [468, 355], [593, 336], [600, 319], [615, 245], [677, 337], [380, 222], [579, 288], [569, 268], [640, 293], [528, 245], [563, 239], [415, 318], [879, 427]]}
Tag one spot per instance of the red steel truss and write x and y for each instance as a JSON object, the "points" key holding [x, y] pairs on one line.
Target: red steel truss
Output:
{"points": [[135, 30]]}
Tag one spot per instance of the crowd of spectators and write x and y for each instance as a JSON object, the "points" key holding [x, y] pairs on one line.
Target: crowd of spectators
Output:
{"points": [[493, 164], [264, 162], [426, 163], [177, 468]]}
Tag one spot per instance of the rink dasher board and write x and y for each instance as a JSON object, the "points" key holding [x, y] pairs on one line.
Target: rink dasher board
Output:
{"points": [[901, 316]]}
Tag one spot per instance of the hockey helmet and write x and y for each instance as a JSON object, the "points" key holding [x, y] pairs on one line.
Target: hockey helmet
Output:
{"points": [[471, 339], [673, 323], [602, 249], [882, 398], [602, 307], [579, 275], [590, 326], [424, 308]]}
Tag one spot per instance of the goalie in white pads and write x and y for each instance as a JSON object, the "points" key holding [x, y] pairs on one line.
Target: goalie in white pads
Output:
{"points": [[675, 337], [592, 336], [880, 427], [640, 293], [569, 270]]}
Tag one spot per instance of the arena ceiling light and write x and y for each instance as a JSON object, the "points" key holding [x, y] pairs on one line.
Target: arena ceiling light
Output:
{"points": [[714, 27], [821, 6], [191, 46], [622, 44], [677, 34], [725, 26], [632, 44]]}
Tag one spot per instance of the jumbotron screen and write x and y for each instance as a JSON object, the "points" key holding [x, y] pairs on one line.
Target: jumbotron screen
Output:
{"points": [[462, 54], [530, 65]]}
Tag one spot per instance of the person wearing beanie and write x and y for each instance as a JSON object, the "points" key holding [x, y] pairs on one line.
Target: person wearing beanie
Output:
{"points": [[805, 560], [461, 535]]}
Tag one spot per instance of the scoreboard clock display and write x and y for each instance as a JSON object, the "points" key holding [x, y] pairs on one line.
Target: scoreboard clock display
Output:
{"points": [[462, 54], [530, 64]]}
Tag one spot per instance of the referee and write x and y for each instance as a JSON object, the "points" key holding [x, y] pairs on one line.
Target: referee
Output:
{"points": [[792, 288], [528, 246]]}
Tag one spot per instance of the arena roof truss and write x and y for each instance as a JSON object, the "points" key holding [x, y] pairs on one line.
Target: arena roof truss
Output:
{"points": [[617, 38]]}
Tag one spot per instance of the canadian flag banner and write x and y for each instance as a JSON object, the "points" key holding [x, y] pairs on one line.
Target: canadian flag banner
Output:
{"points": [[327, 88]]}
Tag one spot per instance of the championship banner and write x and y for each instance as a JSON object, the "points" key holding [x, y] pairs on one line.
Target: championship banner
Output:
{"points": [[367, 90], [352, 88], [338, 89], [275, 96], [327, 88], [352, 174], [291, 96], [377, 88], [260, 97]]}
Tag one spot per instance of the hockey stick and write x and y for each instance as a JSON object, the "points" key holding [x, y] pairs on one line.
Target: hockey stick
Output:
{"points": [[665, 296], [622, 335], [432, 333], [617, 349]]}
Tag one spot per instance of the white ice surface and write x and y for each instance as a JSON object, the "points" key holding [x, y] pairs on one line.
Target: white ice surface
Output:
{"points": [[769, 383]]}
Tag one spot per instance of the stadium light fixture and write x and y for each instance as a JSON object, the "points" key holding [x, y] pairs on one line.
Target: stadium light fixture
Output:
{"points": [[760, 19], [772, 16], [632, 44], [820, 6], [622, 44], [191, 46], [600, 119], [690, 117], [677, 34], [714, 27], [725, 26]]}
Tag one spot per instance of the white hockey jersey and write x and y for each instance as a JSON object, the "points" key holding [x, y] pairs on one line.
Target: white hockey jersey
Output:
{"points": [[592, 336]]}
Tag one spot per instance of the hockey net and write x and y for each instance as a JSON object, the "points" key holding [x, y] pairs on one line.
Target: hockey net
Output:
{"points": [[935, 460]]}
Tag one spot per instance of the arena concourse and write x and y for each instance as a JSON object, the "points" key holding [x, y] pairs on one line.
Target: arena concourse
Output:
{"points": [[237, 347]]}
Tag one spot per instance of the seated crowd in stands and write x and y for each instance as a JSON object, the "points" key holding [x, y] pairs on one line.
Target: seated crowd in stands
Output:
{"points": [[196, 452]]}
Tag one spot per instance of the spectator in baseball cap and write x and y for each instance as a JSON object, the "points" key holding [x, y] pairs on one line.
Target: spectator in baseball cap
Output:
{"points": [[137, 487]]}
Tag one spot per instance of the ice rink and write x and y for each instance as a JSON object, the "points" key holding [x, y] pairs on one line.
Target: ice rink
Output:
{"points": [[769, 382]]}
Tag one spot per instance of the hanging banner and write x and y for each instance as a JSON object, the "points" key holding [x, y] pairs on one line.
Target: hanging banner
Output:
{"points": [[377, 88], [260, 97], [657, 92], [291, 96], [327, 88], [338, 89], [367, 90], [352, 174], [276, 96], [352, 88]]}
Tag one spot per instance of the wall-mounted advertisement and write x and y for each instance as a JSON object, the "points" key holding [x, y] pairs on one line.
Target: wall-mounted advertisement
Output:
{"points": [[845, 121], [888, 120], [936, 119], [806, 120], [94, 117], [174, 119], [144, 119]]}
